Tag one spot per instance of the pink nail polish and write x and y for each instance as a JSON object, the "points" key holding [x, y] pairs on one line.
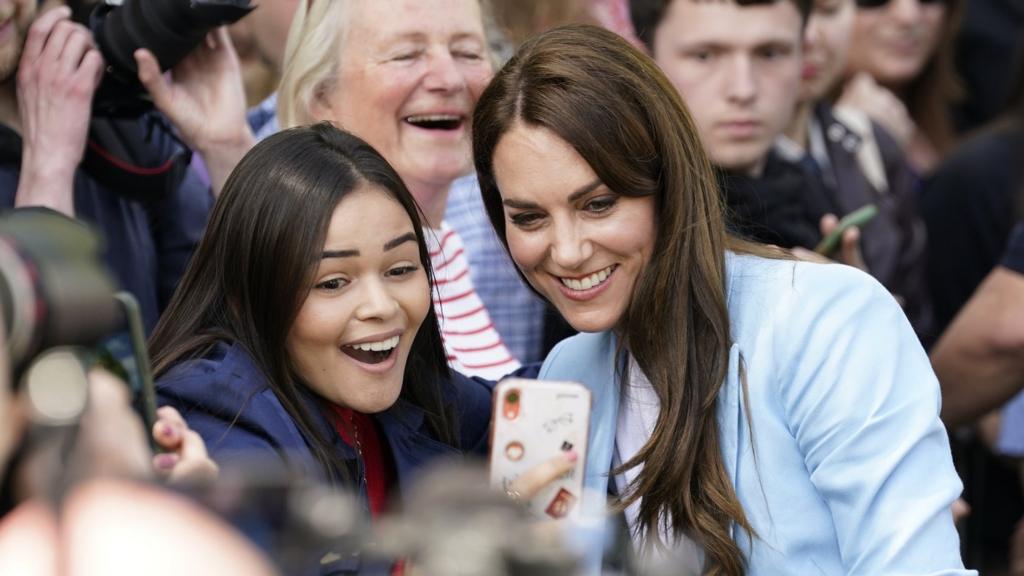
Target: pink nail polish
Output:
{"points": [[166, 461], [167, 431], [572, 455]]}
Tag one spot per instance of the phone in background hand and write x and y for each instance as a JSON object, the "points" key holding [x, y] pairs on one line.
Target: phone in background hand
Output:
{"points": [[533, 421], [859, 217]]}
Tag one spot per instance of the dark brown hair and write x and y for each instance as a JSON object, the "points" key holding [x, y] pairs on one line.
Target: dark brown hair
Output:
{"points": [[648, 14], [930, 95], [622, 115], [255, 264]]}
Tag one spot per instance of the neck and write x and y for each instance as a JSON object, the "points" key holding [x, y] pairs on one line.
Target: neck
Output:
{"points": [[800, 124], [9, 105], [432, 198]]}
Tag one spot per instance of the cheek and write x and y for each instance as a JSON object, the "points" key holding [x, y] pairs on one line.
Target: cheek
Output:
{"points": [[527, 250], [477, 77], [932, 19], [415, 298], [317, 326]]}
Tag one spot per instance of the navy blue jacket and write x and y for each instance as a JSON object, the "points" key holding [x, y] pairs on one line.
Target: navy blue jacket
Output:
{"points": [[148, 240], [225, 398]]}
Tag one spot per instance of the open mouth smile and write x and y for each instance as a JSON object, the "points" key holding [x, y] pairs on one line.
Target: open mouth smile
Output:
{"points": [[588, 286], [444, 122], [372, 352]]}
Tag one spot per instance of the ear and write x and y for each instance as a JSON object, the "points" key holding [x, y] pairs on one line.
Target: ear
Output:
{"points": [[320, 107]]}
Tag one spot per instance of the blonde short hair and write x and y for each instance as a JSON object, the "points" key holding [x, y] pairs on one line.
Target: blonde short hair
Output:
{"points": [[311, 59]]}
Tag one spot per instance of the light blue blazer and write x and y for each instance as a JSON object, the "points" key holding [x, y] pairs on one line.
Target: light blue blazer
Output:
{"points": [[836, 450]]}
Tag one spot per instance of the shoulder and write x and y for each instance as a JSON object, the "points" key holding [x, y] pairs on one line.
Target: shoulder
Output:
{"points": [[222, 377], [773, 294], [471, 399], [227, 400]]}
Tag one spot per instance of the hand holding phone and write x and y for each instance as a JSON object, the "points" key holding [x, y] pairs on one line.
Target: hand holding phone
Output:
{"points": [[534, 422], [859, 218]]}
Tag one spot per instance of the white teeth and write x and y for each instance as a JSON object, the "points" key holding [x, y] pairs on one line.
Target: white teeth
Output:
{"points": [[433, 118], [588, 282], [383, 345]]}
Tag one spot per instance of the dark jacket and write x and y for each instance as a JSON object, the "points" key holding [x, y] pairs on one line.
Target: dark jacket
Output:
{"points": [[894, 243], [782, 206], [225, 398], [970, 204], [150, 235]]}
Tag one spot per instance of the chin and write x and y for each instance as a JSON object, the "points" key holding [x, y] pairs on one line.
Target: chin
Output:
{"points": [[375, 404]]}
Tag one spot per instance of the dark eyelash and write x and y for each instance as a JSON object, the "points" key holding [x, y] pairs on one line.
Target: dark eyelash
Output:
{"points": [[524, 219]]}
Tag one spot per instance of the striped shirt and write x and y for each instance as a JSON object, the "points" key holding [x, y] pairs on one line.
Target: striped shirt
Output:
{"points": [[472, 344]]}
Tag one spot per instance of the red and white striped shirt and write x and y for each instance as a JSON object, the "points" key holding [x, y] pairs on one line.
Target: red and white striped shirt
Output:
{"points": [[472, 344]]}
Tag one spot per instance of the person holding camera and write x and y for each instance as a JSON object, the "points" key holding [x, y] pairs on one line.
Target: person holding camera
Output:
{"points": [[129, 177]]}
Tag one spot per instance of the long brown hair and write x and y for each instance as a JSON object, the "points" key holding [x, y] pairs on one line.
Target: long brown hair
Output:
{"points": [[937, 88], [255, 266], [622, 115]]}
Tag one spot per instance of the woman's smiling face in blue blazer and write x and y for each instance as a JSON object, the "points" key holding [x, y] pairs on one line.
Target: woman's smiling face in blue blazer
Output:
{"points": [[579, 244]]}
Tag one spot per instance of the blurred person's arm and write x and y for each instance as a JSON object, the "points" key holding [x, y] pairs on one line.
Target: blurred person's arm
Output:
{"points": [[58, 74], [205, 100], [980, 358]]}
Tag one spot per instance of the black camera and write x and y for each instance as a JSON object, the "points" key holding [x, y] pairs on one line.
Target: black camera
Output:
{"points": [[53, 289], [170, 29]]}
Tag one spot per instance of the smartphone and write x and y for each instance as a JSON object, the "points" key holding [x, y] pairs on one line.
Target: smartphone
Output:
{"points": [[858, 217], [533, 421], [124, 354]]}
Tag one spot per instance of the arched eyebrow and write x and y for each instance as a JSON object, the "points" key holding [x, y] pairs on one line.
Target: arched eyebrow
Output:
{"points": [[576, 195], [389, 245]]}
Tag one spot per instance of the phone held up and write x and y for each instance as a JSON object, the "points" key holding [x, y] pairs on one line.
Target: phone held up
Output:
{"points": [[859, 217], [533, 421]]}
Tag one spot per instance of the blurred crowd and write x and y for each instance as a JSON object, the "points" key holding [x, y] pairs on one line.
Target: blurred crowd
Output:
{"points": [[781, 242]]}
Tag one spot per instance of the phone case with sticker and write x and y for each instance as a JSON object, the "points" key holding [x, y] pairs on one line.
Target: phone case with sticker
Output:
{"points": [[533, 421]]}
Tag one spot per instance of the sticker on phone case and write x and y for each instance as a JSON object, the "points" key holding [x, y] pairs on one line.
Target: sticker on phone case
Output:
{"points": [[514, 451], [561, 505]]}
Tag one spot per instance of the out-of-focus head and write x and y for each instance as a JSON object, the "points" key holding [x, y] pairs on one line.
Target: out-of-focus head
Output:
{"points": [[519, 19], [826, 43], [15, 18], [402, 74], [895, 40], [737, 66], [593, 174], [268, 27]]}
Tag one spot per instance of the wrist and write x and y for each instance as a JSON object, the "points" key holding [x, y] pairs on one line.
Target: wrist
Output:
{"points": [[236, 144], [48, 184]]}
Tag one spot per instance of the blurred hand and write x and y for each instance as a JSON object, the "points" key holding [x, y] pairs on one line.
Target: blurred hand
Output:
{"points": [[59, 72], [881, 105], [185, 459], [111, 436], [849, 249], [205, 100], [531, 482]]}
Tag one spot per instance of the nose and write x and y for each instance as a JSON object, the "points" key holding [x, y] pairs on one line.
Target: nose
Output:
{"points": [[443, 74], [376, 302], [906, 11], [813, 33], [741, 84], [570, 246]]}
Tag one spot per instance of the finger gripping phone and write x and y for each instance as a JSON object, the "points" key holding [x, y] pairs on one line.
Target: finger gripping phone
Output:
{"points": [[533, 421], [859, 217]]}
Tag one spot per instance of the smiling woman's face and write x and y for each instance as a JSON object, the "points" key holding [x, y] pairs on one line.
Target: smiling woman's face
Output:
{"points": [[410, 73], [581, 245], [895, 41], [351, 339]]}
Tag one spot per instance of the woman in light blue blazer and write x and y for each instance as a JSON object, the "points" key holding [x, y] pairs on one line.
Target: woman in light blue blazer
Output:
{"points": [[755, 415]]}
